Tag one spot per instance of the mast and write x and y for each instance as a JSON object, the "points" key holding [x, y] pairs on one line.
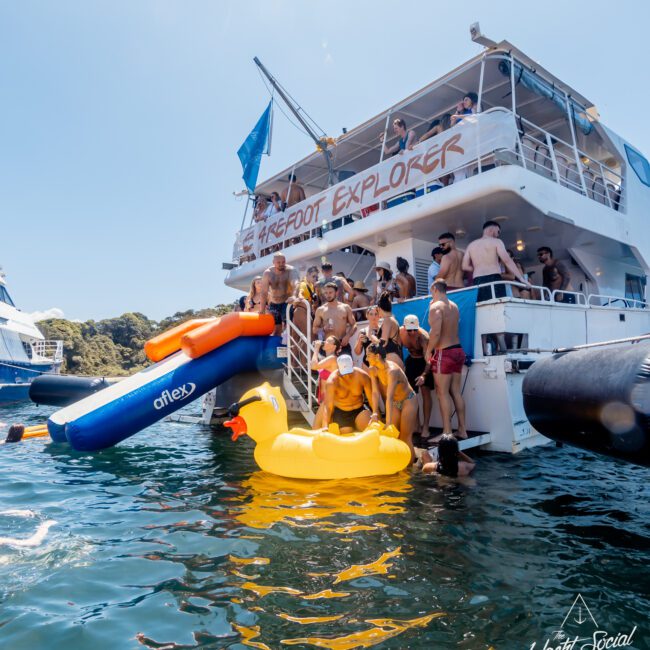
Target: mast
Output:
{"points": [[321, 141]]}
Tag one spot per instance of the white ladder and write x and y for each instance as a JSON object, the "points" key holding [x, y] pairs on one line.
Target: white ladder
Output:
{"points": [[299, 383]]}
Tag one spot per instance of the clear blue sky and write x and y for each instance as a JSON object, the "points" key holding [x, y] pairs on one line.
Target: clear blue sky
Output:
{"points": [[120, 121]]}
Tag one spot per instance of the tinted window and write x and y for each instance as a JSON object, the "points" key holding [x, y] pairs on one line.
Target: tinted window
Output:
{"points": [[639, 164], [634, 285], [4, 297]]}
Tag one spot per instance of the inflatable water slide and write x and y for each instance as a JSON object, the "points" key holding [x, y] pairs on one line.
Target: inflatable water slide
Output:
{"points": [[191, 360]]}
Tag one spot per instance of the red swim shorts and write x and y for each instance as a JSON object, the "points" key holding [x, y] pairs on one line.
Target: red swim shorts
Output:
{"points": [[448, 361]]}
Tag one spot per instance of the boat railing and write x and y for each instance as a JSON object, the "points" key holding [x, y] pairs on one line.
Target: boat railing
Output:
{"points": [[567, 165], [48, 350], [533, 148], [615, 302]]}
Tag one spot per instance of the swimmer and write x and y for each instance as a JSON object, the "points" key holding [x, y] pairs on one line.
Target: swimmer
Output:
{"points": [[451, 462], [15, 433]]}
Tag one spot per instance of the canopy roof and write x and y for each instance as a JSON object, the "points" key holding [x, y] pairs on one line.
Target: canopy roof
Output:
{"points": [[360, 147]]}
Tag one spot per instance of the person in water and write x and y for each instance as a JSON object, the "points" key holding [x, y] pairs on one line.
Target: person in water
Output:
{"points": [[451, 462], [389, 381], [15, 433], [325, 367]]}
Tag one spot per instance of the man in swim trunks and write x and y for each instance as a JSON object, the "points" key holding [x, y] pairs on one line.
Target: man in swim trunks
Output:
{"points": [[278, 282], [416, 341], [451, 264], [389, 381], [446, 358], [335, 319], [484, 257], [344, 392]]}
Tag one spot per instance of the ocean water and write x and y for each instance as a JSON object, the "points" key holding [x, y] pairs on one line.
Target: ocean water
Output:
{"points": [[175, 540]]}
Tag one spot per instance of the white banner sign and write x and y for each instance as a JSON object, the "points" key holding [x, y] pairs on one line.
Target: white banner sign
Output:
{"points": [[475, 136]]}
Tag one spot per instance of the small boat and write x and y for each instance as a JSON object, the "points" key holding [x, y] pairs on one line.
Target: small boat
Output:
{"points": [[24, 352]]}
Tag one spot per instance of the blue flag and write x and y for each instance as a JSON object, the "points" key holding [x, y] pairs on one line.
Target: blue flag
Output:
{"points": [[256, 144]]}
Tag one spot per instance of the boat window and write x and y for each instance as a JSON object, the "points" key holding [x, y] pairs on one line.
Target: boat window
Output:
{"points": [[639, 164], [634, 285], [5, 297]]}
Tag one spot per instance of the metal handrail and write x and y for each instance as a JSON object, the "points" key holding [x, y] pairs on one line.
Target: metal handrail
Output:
{"points": [[50, 349], [294, 336], [549, 165], [581, 299], [630, 303]]}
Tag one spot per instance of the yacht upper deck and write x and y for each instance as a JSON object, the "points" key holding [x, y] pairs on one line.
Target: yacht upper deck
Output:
{"points": [[525, 116]]}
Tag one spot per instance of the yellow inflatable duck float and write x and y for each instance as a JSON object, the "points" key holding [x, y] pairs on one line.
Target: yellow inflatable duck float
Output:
{"points": [[320, 454]]}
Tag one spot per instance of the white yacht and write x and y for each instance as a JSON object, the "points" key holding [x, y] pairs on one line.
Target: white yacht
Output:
{"points": [[24, 352], [538, 159]]}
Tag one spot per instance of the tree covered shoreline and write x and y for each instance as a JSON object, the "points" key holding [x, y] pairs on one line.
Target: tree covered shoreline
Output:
{"points": [[113, 347]]}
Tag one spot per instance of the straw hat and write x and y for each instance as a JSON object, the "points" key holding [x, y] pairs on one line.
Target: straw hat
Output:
{"points": [[359, 285], [383, 265]]}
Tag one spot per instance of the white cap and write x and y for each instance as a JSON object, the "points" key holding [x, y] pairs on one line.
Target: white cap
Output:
{"points": [[411, 322], [345, 364], [383, 265]]}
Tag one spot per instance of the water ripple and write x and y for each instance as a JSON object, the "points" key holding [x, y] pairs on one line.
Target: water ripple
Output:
{"points": [[175, 540]]}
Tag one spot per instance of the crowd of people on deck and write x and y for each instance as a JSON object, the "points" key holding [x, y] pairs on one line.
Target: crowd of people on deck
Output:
{"points": [[267, 206], [384, 369]]}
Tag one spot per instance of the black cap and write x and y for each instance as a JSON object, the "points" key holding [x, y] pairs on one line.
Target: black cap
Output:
{"points": [[326, 265], [437, 251]]}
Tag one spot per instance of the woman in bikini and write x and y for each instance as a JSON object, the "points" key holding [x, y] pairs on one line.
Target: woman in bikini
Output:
{"points": [[389, 381], [325, 367], [389, 337], [253, 297]]}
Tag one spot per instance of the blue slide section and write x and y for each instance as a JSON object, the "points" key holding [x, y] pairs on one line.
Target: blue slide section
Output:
{"points": [[117, 419]]}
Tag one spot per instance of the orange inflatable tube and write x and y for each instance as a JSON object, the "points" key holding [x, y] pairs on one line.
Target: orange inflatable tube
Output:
{"points": [[168, 342], [212, 335]]}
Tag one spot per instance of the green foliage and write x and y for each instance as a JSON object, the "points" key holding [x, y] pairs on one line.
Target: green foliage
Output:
{"points": [[114, 347]]}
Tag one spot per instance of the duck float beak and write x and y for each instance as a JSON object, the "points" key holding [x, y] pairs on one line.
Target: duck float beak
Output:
{"points": [[238, 426]]}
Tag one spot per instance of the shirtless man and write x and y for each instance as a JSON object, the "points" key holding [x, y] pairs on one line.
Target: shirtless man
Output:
{"points": [[344, 393], [483, 257], [555, 275], [416, 341], [451, 264], [335, 319], [342, 285], [389, 381], [360, 300], [278, 285], [445, 357], [294, 193]]}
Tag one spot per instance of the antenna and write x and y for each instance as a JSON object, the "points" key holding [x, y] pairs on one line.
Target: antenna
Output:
{"points": [[320, 140]]}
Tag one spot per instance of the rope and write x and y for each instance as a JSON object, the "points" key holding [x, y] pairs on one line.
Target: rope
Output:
{"points": [[297, 126]]}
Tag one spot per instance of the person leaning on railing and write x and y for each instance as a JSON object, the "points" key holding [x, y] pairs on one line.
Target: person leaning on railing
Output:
{"points": [[406, 139], [436, 127]]}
